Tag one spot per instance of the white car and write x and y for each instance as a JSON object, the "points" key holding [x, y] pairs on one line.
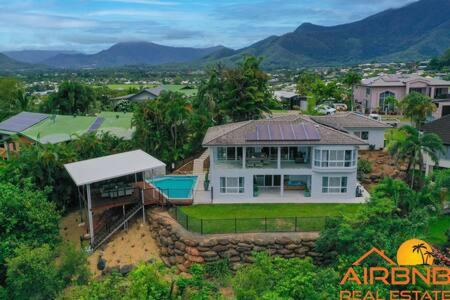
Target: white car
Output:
{"points": [[375, 117], [325, 109]]}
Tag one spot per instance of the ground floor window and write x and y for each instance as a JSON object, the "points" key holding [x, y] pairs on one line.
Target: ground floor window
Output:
{"points": [[232, 185], [267, 180], [334, 184], [364, 135]]}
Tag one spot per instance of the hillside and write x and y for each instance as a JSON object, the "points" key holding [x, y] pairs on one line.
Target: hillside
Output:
{"points": [[416, 31], [131, 53], [35, 56], [8, 65]]}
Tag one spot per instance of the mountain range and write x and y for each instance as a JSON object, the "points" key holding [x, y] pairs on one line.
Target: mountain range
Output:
{"points": [[416, 31]]}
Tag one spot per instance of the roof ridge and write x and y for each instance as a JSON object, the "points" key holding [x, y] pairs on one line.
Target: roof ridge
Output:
{"points": [[232, 130]]}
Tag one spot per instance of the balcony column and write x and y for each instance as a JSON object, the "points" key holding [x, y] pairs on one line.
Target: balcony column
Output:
{"points": [[279, 158], [244, 154], [90, 217], [282, 185]]}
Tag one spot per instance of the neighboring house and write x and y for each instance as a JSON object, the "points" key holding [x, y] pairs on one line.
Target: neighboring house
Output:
{"points": [[282, 159], [442, 108], [291, 100], [30, 128], [372, 92], [143, 95], [369, 130], [441, 127]]}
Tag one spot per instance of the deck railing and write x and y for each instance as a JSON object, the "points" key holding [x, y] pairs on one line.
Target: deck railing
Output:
{"points": [[248, 225]]}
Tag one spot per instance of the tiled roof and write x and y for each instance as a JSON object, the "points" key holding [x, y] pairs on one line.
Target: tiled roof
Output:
{"points": [[441, 127], [342, 121], [236, 133], [400, 80]]}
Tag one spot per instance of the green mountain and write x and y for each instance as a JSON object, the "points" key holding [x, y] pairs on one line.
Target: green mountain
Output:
{"points": [[8, 65], [416, 31]]}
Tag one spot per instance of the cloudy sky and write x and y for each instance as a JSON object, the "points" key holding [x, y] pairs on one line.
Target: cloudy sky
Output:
{"points": [[93, 25]]}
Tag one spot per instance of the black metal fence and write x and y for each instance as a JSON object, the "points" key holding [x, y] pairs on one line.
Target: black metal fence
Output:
{"points": [[247, 225]]}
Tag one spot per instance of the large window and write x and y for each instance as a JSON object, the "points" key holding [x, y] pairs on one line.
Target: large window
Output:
{"points": [[364, 135], [334, 185], [267, 180], [232, 185], [383, 104], [229, 153], [334, 158]]}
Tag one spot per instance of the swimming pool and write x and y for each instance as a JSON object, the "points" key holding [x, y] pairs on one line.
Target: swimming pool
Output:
{"points": [[175, 187]]}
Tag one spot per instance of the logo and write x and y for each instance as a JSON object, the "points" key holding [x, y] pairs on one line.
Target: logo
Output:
{"points": [[414, 265]]}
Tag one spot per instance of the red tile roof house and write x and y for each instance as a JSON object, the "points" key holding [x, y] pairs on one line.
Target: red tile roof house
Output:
{"points": [[287, 159], [372, 92]]}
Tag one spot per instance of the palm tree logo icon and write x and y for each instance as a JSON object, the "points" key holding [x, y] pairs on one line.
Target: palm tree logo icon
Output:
{"points": [[415, 252]]}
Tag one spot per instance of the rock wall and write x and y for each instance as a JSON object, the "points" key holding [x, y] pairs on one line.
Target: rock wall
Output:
{"points": [[181, 248]]}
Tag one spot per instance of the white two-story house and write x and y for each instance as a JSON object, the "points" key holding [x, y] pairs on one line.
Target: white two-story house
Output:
{"points": [[285, 159], [441, 127]]}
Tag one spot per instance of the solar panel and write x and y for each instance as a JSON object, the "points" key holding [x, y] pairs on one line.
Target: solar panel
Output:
{"points": [[22, 121], [284, 132], [97, 123]]}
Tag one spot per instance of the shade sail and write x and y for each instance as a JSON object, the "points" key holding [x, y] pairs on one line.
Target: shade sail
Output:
{"points": [[111, 166]]}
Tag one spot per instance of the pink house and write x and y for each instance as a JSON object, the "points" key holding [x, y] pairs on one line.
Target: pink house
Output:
{"points": [[372, 92]]}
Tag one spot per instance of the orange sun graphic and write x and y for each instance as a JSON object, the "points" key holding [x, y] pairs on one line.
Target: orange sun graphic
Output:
{"points": [[414, 252]]}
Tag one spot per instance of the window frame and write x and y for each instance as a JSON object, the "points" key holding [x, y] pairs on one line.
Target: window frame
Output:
{"points": [[339, 186], [238, 188]]}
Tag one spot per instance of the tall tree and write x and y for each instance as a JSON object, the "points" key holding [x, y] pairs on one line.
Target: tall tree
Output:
{"points": [[417, 107], [305, 82], [351, 79], [410, 146], [10, 89], [239, 93], [71, 98]]}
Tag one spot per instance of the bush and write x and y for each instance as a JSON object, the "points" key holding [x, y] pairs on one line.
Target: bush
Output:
{"points": [[364, 167], [280, 278], [32, 274], [73, 268]]}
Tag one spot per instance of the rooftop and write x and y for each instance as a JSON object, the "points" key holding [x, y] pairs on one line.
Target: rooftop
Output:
{"points": [[401, 80], [238, 133], [441, 127], [111, 166], [52, 129], [344, 120]]}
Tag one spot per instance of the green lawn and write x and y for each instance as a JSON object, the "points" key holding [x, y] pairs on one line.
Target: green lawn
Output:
{"points": [[226, 218], [437, 231], [179, 88]]}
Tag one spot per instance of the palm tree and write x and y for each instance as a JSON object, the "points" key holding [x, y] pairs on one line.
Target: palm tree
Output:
{"points": [[417, 107], [428, 254], [351, 79], [418, 248], [410, 145]]}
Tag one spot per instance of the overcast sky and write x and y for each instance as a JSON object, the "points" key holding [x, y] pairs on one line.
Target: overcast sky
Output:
{"points": [[93, 25]]}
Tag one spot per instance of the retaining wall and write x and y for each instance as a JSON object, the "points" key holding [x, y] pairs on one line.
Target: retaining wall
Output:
{"points": [[181, 248]]}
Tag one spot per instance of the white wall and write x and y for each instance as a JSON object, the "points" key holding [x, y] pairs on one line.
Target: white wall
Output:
{"points": [[316, 174], [376, 137]]}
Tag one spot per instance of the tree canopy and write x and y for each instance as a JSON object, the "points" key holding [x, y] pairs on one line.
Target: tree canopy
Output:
{"points": [[72, 97], [417, 107]]}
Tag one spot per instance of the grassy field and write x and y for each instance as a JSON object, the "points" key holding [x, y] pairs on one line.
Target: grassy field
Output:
{"points": [[228, 218], [437, 232]]}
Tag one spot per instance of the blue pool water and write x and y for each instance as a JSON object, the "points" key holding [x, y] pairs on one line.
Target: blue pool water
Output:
{"points": [[175, 187]]}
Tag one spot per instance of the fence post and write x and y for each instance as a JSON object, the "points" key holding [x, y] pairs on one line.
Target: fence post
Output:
{"points": [[295, 228], [201, 226], [265, 224], [187, 222], [235, 225]]}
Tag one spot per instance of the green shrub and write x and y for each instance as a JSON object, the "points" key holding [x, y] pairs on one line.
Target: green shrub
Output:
{"points": [[364, 167]]}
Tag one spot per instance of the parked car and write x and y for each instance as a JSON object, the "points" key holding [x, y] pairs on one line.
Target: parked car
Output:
{"points": [[375, 117], [340, 106], [325, 109]]}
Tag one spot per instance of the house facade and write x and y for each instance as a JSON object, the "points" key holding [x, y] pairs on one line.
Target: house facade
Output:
{"points": [[369, 130], [289, 157], [441, 127], [372, 92]]}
